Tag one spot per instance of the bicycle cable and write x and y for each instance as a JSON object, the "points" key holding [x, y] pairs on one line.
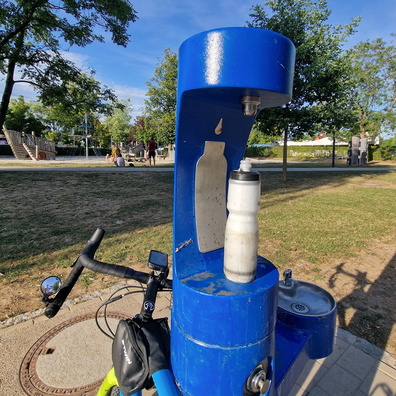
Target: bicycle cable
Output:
{"points": [[113, 298], [110, 300]]}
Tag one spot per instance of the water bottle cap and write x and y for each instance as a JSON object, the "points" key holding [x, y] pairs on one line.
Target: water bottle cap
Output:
{"points": [[245, 173], [245, 176], [245, 166]]}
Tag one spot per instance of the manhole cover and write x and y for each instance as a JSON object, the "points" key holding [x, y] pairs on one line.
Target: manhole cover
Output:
{"points": [[71, 359]]}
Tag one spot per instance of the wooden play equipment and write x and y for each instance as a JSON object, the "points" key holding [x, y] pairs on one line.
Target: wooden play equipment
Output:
{"points": [[28, 146]]}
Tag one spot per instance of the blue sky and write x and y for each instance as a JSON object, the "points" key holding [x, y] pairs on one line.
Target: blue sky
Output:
{"points": [[167, 23]]}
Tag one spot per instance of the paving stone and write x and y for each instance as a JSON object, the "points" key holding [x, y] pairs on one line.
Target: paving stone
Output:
{"points": [[317, 391], [311, 375], [388, 370], [369, 348], [356, 362], [298, 391], [339, 382], [340, 347], [346, 336], [379, 384]]}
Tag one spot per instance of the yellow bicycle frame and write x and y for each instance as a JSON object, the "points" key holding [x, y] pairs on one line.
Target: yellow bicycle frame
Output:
{"points": [[109, 381]]}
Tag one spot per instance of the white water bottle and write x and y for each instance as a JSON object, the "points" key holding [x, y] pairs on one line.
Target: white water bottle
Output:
{"points": [[241, 232]]}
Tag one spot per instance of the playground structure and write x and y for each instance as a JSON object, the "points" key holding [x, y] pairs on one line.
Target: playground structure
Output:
{"points": [[82, 144], [27, 146], [134, 152]]}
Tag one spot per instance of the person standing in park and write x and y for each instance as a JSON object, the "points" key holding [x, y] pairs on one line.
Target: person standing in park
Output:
{"points": [[151, 147]]}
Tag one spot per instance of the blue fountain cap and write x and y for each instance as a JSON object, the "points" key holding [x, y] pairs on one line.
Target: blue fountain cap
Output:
{"points": [[236, 62]]}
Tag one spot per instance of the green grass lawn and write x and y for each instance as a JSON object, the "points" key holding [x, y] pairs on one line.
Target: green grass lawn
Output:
{"points": [[320, 216], [317, 215]]}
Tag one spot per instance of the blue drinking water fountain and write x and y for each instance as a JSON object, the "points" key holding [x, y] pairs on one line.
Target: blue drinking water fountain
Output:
{"points": [[231, 338]]}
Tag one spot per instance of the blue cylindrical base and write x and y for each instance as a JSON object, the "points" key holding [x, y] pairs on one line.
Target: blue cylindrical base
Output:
{"points": [[213, 370], [222, 330]]}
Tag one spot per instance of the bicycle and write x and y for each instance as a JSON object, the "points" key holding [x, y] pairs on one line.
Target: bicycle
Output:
{"points": [[141, 345]]}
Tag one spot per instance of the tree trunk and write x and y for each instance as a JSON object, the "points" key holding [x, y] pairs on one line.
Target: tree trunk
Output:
{"points": [[9, 85], [333, 150], [9, 82]]}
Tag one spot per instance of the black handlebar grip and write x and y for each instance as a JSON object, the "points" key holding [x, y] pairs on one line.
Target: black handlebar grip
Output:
{"points": [[118, 271], [55, 304], [93, 244]]}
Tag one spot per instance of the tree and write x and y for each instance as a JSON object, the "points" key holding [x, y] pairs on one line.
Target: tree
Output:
{"points": [[256, 135], [118, 124], [32, 33], [160, 109], [21, 118], [321, 80], [141, 130], [85, 96], [374, 71]]}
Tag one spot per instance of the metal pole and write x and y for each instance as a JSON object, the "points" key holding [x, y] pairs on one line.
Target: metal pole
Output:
{"points": [[86, 135]]}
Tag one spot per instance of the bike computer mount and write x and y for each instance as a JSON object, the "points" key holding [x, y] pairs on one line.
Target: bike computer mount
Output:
{"points": [[158, 261]]}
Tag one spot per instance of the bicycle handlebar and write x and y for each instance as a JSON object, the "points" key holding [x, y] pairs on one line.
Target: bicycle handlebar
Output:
{"points": [[86, 260], [119, 271]]}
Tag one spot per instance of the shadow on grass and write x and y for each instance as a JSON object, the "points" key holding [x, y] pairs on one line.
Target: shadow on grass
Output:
{"points": [[372, 319], [45, 212]]}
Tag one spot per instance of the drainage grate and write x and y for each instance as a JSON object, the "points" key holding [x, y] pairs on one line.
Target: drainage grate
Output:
{"points": [[29, 379], [300, 308]]}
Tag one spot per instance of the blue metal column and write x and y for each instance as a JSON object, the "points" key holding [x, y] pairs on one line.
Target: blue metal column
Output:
{"points": [[220, 330]]}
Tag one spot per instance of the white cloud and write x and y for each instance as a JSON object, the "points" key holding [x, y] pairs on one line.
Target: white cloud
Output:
{"points": [[22, 89], [80, 60], [136, 95]]}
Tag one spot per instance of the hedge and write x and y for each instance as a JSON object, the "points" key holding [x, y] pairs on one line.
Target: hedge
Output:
{"points": [[378, 153], [297, 151], [382, 153]]}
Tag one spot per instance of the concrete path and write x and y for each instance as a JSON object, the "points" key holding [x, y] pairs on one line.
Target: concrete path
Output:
{"points": [[77, 355], [67, 164], [168, 169]]}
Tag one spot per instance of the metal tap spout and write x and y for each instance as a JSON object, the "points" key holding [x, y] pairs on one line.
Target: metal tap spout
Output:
{"points": [[287, 278], [250, 105]]}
